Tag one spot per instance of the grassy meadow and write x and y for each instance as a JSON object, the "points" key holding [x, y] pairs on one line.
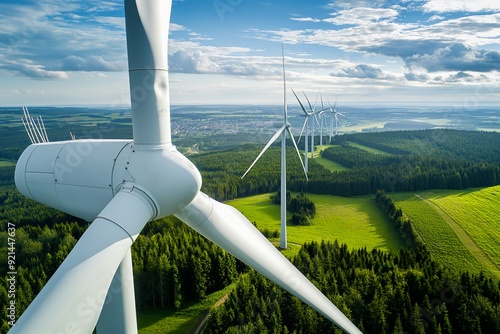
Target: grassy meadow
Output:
{"points": [[6, 163], [368, 149], [330, 165], [357, 221], [460, 227]]}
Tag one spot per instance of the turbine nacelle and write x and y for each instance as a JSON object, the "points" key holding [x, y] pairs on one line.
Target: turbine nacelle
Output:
{"points": [[81, 177]]}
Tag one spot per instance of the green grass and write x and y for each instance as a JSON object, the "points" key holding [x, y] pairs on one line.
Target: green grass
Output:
{"points": [[183, 321], [330, 165], [357, 221], [6, 163], [460, 228], [478, 213], [368, 149]]}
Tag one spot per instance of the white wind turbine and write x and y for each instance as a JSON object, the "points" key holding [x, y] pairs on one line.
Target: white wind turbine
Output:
{"points": [[334, 116], [311, 113], [321, 116], [120, 185], [307, 114], [281, 132]]}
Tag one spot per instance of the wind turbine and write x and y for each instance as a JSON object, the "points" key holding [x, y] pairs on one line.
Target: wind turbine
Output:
{"points": [[120, 185], [335, 116], [307, 114], [281, 132], [321, 115]]}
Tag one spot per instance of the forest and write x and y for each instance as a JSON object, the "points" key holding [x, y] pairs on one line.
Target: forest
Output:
{"points": [[406, 292], [403, 292], [431, 159]]}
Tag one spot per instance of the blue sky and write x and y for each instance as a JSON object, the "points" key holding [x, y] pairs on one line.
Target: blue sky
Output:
{"points": [[382, 52]]}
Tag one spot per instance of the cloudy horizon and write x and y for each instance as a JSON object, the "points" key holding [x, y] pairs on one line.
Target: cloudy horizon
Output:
{"points": [[422, 52]]}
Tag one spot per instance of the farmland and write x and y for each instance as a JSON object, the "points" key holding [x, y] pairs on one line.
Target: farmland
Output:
{"points": [[460, 228]]}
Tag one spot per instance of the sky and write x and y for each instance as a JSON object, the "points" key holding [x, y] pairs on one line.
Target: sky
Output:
{"points": [[366, 53]]}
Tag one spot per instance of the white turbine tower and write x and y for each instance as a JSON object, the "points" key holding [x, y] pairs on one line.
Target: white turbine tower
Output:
{"points": [[335, 116], [120, 185], [321, 115], [281, 132]]}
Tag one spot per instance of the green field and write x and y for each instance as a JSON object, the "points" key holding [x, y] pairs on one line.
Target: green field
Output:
{"points": [[368, 149], [6, 163], [460, 228], [357, 221], [330, 165]]}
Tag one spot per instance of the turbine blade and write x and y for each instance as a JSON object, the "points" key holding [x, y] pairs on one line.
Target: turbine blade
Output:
{"points": [[118, 314], [301, 105], [272, 140], [310, 107], [229, 229], [75, 294], [147, 27], [303, 127], [298, 152]]}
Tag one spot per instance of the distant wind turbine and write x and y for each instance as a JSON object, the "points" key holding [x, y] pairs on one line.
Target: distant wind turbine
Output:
{"points": [[321, 115], [282, 132], [335, 116], [306, 144], [308, 113]]}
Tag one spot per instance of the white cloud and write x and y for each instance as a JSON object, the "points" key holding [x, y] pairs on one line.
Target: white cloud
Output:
{"points": [[196, 62], [421, 77], [442, 6], [34, 71], [458, 57], [43, 40], [91, 63], [305, 19], [363, 71], [362, 16]]}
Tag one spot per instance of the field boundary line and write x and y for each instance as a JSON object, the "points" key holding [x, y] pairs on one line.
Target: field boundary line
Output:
{"points": [[464, 237]]}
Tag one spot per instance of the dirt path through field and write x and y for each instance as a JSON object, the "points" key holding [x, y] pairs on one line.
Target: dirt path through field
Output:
{"points": [[464, 237]]}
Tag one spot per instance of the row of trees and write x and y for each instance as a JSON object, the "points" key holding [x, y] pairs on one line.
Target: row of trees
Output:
{"points": [[402, 222]]}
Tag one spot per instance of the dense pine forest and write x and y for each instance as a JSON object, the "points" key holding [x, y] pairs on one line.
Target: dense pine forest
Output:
{"points": [[404, 292]]}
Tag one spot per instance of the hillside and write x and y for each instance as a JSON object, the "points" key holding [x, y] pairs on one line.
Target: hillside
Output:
{"points": [[460, 228]]}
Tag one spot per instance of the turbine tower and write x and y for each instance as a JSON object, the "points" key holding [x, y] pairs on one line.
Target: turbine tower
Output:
{"points": [[281, 132], [335, 116], [120, 185], [321, 115]]}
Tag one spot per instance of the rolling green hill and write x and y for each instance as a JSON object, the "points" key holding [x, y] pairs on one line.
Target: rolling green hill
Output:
{"points": [[460, 228]]}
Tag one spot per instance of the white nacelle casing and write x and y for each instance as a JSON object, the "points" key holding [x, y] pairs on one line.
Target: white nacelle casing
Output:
{"points": [[76, 177], [81, 177]]}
